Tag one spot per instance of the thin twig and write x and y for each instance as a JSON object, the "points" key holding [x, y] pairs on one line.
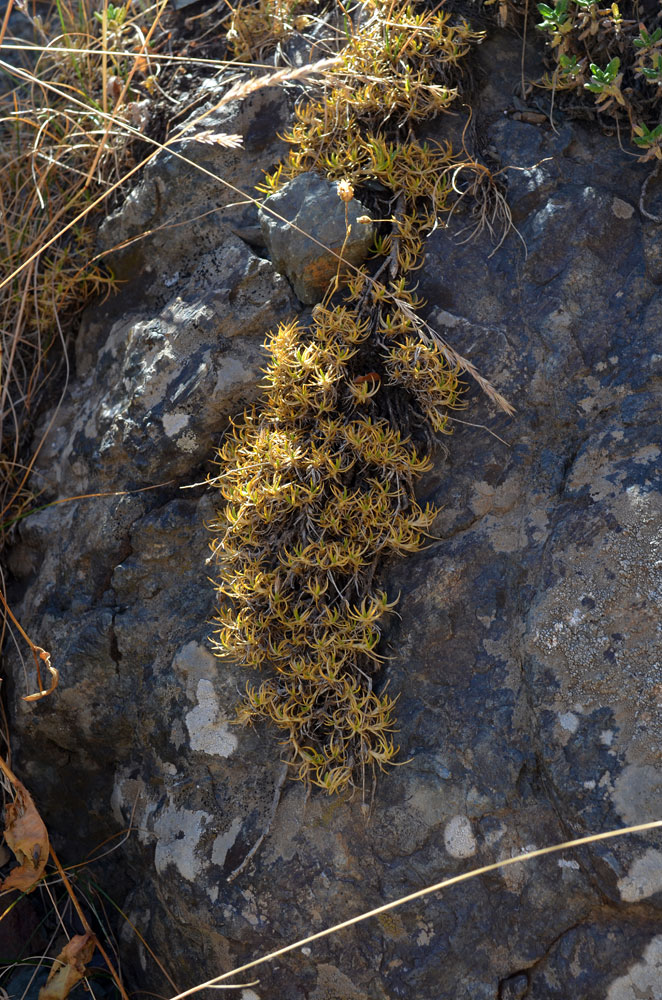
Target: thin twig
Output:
{"points": [[481, 427]]}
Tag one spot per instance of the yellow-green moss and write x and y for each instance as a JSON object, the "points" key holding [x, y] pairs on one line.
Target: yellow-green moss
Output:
{"points": [[319, 478]]}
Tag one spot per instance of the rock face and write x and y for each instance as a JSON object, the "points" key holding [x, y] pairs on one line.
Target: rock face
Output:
{"points": [[526, 651]]}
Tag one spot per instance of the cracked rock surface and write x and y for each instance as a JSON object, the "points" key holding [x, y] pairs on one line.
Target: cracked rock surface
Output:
{"points": [[526, 649]]}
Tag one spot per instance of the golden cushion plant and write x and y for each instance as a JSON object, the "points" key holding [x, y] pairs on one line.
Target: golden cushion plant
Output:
{"points": [[319, 478]]}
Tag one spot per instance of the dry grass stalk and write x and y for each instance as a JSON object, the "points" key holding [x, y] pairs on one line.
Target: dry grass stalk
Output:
{"points": [[454, 358]]}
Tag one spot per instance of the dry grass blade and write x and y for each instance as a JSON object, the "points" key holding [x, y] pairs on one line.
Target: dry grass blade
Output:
{"points": [[45, 151], [5, 21], [121, 97], [420, 894], [428, 335], [29, 831], [86, 926], [154, 57], [126, 920]]}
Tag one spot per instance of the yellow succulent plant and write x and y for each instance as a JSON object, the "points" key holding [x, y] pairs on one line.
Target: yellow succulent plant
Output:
{"points": [[318, 479]]}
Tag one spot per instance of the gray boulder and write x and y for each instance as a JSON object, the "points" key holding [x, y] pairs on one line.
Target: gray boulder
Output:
{"points": [[525, 652], [302, 222]]}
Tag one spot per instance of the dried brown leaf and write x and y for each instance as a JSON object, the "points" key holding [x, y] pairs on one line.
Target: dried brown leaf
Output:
{"points": [[26, 835], [68, 968]]}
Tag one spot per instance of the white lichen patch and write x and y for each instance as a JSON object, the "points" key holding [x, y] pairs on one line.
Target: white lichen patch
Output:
{"points": [[193, 661], [224, 842], [208, 732], [443, 318], [643, 979], [458, 838], [179, 832], [233, 374], [637, 793], [644, 878], [569, 722], [188, 442], [425, 935], [173, 423]]}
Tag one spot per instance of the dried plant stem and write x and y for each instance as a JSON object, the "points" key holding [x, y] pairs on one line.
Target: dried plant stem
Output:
{"points": [[644, 189], [7, 771], [5, 22], [127, 83], [153, 56], [38, 654], [92, 496], [11, 777], [427, 334]]}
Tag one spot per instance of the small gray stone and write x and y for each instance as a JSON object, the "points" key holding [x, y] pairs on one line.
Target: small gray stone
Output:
{"points": [[314, 207]]}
